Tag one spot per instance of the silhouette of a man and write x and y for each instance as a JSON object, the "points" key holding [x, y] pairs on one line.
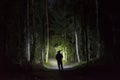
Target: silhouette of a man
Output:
{"points": [[59, 57]]}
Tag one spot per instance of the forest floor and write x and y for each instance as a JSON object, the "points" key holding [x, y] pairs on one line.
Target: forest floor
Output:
{"points": [[53, 65], [92, 72]]}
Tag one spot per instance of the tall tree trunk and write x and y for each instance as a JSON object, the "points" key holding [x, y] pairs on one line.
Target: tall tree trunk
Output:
{"points": [[85, 29], [64, 53], [41, 33], [47, 24], [98, 32], [76, 40], [28, 33], [33, 32], [82, 41], [88, 42], [76, 43]]}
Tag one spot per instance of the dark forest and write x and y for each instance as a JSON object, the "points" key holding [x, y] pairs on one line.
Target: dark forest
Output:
{"points": [[85, 31]]}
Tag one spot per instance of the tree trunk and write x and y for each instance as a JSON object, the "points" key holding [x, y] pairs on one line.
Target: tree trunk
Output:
{"points": [[42, 43], [32, 31], [47, 24], [76, 41], [88, 42], [98, 32], [28, 33], [85, 29]]}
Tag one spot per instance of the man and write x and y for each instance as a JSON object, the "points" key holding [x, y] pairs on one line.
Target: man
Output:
{"points": [[59, 57]]}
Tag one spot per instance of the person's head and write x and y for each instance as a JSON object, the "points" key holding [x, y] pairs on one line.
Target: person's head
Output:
{"points": [[59, 52]]}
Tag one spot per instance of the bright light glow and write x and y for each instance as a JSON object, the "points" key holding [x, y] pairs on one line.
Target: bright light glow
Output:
{"points": [[53, 62], [53, 65], [63, 55], [62, 50]]}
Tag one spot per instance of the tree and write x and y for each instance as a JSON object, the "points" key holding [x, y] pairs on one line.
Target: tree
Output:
{"points": [[47, 26], [76, 40]]}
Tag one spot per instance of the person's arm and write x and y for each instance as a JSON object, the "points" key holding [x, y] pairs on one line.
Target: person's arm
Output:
{"points": [[62, 55]]}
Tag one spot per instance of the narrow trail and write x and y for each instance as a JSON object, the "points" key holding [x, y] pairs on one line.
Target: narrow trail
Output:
{"points": [[53, 65]]}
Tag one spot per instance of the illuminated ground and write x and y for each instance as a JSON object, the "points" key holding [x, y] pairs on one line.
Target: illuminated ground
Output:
{"points": [[53, 65]]}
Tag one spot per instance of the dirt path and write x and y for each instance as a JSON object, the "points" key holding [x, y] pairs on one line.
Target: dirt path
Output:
{"points": [[86, 73]]}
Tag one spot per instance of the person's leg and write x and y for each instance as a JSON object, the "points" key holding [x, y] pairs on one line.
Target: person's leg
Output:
{"points": [[61, 65]]}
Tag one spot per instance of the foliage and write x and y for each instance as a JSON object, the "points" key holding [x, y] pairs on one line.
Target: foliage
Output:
{"points": [[57, 43]]}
